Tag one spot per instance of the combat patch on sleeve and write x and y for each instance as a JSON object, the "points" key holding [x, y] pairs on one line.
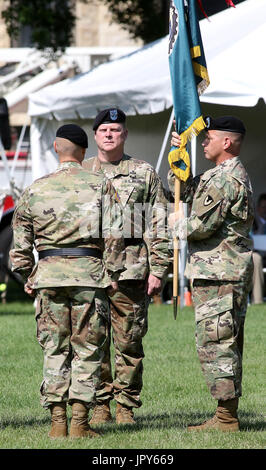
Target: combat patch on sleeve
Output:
{"points": [[207, 201]]}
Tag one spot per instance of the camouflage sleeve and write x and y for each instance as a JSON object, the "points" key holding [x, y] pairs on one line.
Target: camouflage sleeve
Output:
{"points": [[156, 234], [112, 229], [209, 210], [21, 256], [187, 189]]}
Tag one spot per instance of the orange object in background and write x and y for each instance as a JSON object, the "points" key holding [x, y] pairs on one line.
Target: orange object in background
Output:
{"points": [[187, 298]]}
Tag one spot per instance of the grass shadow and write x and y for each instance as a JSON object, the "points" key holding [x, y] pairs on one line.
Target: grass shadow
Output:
{"points": [[15, 292], [17, 302], [21, 423], [180, 420], [17, 308], [251, 421]]}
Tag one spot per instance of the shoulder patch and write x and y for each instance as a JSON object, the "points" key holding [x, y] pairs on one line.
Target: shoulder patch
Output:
{"points": [[207, 201]]}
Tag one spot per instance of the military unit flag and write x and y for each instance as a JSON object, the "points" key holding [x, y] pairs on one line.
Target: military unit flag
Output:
{"points": [[189, 79]]}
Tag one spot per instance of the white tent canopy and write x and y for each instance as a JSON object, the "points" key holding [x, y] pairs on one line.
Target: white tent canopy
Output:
{"points": [[139, 83], [233, 42]]}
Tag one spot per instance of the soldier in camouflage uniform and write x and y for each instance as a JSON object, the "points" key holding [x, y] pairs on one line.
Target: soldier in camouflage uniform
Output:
{"points": [[147, 260], [64, 217], [220, 266]]}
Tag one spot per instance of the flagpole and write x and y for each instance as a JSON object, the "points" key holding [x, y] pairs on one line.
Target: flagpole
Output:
{"points": [[189, 78], [176, 253]]}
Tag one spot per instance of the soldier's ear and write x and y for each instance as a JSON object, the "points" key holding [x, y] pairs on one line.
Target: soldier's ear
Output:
{"points": [[55, 146], [227, 142]]}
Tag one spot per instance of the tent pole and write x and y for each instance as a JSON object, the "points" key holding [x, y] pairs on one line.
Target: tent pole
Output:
{"points": [[165, 140]]}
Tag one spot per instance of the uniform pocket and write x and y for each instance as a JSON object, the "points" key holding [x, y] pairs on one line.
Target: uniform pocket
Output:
{"points": [[214, 320], [214, 306]]}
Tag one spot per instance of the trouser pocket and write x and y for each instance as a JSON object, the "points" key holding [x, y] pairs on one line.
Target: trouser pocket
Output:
{"points": [[214, 320]]}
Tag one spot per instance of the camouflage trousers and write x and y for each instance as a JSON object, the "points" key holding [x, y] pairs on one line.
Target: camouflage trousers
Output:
{"points": [[220, 309], [128, 325], [71, 329]]}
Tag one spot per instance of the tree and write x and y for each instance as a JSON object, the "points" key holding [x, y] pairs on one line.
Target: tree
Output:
{"points": [[149, 20], [145, 20], [51, 21]]}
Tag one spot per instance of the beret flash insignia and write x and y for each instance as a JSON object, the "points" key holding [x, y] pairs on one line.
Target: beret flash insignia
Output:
{"points": [[113, 114]]}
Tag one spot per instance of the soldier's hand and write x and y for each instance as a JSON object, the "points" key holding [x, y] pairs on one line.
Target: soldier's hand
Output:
{"points": [[178, 215], [113, 288], [29, 290], [176, 139], [154, 285]]}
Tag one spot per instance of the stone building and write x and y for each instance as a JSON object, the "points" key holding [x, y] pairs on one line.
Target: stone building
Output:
{"points": [[93, 28]]}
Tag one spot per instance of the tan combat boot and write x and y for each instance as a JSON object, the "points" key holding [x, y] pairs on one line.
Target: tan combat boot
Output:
{"points": [[59, 421], [225, 418], [124, 415], [101, 414], [79, 426], [227, 415]]}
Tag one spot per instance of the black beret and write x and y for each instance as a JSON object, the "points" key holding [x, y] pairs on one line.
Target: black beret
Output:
{"points": [[73, 133], [225, 123], [108, 116]]}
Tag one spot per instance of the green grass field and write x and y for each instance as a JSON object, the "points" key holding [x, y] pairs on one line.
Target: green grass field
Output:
{"points": [[174, 392]]}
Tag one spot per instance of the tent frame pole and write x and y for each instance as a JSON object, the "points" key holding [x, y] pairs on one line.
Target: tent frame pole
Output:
{"points": [[165, 140]]}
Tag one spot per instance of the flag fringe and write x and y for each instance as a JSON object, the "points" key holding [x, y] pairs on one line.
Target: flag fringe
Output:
{"points": [[199, 70], [193, 130], [178, 158]]}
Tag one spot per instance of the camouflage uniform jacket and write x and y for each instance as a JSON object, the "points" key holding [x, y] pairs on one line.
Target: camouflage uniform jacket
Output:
{"points": [[137, 184], [61, 210], [219, 224]]}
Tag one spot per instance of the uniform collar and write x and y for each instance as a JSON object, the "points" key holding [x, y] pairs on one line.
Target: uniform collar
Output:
{"points": [[122, 168], [69, 165], [230, 163]]}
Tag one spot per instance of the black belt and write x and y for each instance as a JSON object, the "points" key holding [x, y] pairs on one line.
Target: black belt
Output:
{"points": [[71, 252]]}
